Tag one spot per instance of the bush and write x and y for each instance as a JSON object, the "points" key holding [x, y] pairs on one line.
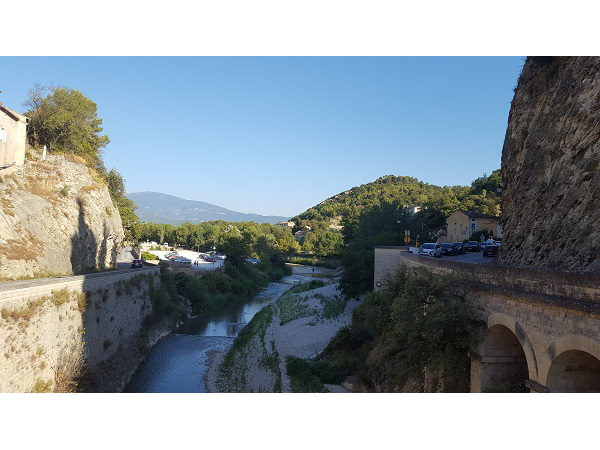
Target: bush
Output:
{"points": [[418, 324], [149, 256]]}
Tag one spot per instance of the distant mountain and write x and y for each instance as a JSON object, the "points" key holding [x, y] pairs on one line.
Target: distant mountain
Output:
{"points": [[163, 208]]}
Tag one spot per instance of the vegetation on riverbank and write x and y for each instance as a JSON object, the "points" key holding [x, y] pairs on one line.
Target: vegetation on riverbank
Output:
{"points": [[232, 372], [413, 335], [330, 263]]}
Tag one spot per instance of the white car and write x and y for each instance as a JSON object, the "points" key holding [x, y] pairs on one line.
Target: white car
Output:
{"points": [[431, 249]]}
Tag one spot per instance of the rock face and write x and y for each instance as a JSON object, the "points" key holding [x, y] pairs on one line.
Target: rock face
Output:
{"points": [[56, 218], [550, 160]]}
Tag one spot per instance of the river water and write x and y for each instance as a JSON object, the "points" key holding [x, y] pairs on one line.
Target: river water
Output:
{"points": [[178, 361]]}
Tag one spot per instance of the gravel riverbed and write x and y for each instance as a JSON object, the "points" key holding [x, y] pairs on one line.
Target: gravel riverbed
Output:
{"points": [[308, 327]]}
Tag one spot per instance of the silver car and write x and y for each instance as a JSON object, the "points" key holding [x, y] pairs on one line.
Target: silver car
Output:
{"points": [[431, 249]]}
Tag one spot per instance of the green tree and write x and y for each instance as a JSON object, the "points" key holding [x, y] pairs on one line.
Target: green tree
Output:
{"points": [[65, 121], [134, 231], [237, 249]]}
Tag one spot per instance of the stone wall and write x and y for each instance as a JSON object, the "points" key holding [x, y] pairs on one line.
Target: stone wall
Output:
{"points": [[47, 325], [548, 313], [550, 163]]}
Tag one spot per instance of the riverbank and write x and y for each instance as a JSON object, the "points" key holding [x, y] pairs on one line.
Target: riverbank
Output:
{"points": [[297, 323]]}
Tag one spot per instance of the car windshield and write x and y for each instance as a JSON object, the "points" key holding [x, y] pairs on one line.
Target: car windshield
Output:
{"points": [[428, 245], [447, 245], [472, 243]]}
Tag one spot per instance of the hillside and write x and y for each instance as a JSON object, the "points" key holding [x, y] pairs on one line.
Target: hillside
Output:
{"points": [[57, 219], [168, 209], [480, 196]]}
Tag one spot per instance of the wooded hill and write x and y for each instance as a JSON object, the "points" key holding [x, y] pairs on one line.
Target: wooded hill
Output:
{"points": [[481, 196]]}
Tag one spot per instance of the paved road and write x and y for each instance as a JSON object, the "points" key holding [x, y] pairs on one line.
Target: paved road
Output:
{"points": [[22, 284]]}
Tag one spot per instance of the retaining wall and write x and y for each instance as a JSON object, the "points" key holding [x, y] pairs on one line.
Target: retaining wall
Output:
{"points": [[46, 324]]}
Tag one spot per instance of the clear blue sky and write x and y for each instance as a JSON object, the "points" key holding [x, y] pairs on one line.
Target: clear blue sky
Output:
{"points": [[277, 135]]}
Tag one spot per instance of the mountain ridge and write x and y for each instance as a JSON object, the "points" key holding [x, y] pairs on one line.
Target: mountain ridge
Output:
{"points": [[169, 209]]}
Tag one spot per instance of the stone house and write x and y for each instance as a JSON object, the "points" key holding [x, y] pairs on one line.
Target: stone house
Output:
{"points": [[288, 224], [13, 137], [461, 224]]}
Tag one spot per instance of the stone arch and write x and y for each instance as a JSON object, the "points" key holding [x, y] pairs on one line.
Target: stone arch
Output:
{"points": [[505, 359], [571, 364], [519, 332]]}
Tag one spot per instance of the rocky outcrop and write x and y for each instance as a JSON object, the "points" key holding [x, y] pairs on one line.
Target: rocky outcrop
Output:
{"points": [[550, 162], [56, 218]]}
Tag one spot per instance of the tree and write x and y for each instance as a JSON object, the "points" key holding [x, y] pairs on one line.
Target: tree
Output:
{"points": [[65, 121], [129, 219], [237, 249]]}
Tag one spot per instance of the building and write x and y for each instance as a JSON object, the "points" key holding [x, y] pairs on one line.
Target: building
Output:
{"points": [[462, 224], [13, 137], [413, 209], [286, 224], [300, 235]]}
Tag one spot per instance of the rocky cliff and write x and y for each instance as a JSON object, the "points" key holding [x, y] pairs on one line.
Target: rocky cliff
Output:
{"points": [[550, 159], [56, 218]]}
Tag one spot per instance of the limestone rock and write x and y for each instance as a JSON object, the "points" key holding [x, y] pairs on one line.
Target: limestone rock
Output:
{"points": [[56, 218], [550, 161]]}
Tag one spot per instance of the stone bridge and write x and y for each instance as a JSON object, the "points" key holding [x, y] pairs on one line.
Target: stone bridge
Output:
{"points": [[543, 327]]}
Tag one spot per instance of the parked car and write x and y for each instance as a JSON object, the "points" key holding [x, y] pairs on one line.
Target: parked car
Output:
{"points": [[462, 247], [473, 246], [431, 249], [211, 259], [136, 263], [490, 250], [449, 249]]}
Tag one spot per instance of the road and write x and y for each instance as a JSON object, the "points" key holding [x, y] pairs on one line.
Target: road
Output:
{"points": [[22, 284]]}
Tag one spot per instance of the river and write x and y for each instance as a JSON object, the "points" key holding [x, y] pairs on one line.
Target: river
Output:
{"points": [[178, 361]]}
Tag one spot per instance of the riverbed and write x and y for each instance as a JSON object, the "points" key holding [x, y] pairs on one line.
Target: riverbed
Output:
{"points": [[178, 362]]}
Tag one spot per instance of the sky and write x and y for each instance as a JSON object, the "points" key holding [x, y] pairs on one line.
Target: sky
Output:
{"points": [[277, 135]]}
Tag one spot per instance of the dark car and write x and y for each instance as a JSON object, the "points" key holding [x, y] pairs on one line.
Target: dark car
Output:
{"points": [[136, 263], [462, 247], [473, 246], [490, 250], [449, 249]]}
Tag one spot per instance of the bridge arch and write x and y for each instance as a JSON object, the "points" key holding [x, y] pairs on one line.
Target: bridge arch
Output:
{"points": [[505, 359], [571, 364]]}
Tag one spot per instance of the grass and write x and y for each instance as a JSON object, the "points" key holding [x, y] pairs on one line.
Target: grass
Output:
{"points": [[26, 247], [24, 314], [42, 387], [330, 263], [333, 306], [291, 305], [232, 372], [303, 287], [7, 206]]}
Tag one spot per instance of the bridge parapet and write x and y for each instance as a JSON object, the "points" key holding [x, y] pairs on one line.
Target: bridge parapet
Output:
{"points": [[543, 326], [579, 291]]}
